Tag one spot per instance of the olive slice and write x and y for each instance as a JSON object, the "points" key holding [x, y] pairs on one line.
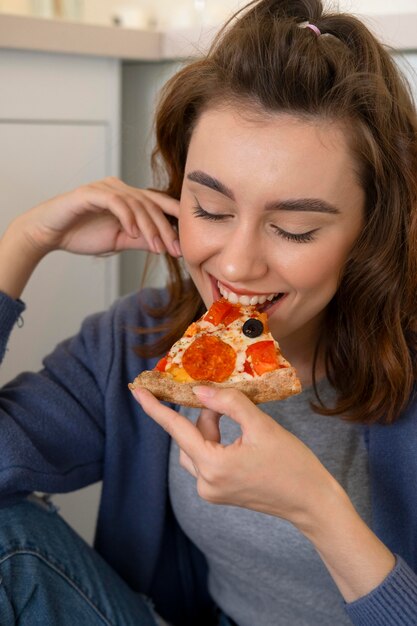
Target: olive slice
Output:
{"points": [[253, 328]]}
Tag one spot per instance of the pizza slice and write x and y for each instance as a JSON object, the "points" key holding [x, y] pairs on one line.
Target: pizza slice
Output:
{"points": [[229, 346]]}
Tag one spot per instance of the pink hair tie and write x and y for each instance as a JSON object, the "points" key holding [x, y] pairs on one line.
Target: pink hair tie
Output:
{"points": [[314, 28]]}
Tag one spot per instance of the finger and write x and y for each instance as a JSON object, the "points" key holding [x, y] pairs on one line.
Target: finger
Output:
{"points": [[140, 224], [166, 230], [208, 423], [230, 402], [187, 436], [149, 208], [169, 205], [159, 224], [188, 464], [100, 199], [162, 200], [146, 225]]}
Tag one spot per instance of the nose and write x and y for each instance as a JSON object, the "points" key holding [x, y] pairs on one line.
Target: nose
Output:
{"points": [[243, 257]]}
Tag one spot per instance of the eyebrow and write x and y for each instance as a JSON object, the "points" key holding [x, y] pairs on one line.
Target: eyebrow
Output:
{"points": [[316, 205]]}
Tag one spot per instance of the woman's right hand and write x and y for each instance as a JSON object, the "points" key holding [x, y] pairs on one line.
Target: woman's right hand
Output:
{"points": [[103, 217]]}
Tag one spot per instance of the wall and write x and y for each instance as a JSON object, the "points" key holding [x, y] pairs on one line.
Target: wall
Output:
{"points": [[185, 13], [173, 12]]}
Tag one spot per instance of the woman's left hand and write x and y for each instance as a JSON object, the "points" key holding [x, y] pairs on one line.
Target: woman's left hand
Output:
{"points": [[266, 469]]}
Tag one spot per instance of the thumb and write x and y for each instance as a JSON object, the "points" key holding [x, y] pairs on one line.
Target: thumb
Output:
{"points": [[230, 402], [208, 425]]}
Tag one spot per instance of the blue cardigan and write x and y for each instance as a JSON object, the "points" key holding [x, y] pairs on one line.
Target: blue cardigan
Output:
{"points": [[75, 423]]}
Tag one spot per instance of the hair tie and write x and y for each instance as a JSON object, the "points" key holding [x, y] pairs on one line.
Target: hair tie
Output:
{"points": [[312, 27]]}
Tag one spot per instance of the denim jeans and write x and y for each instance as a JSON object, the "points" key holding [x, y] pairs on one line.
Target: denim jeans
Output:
{"points": [[50, 577]]}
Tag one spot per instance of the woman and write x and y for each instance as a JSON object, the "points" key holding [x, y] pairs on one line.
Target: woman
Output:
{"points": [[290, 155]]}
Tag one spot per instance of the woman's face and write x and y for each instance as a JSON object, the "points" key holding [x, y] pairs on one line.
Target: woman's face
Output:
{"points": [[270, 207]]}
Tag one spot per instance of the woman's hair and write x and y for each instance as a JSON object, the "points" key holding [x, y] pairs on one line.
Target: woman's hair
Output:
{"points": [[264, 60]]}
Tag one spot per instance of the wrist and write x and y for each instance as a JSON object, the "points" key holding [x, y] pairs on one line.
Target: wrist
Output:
{"points": [[326, 504], [18, 259], [355, 557]]}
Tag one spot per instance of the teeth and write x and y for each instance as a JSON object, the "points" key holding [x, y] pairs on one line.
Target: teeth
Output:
{"points": [[233, 298]]}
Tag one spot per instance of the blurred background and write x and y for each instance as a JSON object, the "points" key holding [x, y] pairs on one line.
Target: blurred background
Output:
{"points": [[79, 81], [162, 14]]}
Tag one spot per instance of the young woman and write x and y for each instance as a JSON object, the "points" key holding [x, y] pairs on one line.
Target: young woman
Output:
{"points": [[290, 162]]}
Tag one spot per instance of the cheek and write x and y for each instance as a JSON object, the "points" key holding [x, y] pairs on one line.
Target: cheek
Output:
{"points": [[197, 238], [191, 240], [188, 234], [317, 267]]}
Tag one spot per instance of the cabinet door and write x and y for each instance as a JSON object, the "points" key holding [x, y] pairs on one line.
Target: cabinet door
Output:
{"points": [[38, 161]]}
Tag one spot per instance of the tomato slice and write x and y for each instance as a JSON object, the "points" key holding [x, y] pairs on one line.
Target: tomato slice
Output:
{"points": [[223, 312], [263, 357], [248, 368], [232, 315], [161, 365]]}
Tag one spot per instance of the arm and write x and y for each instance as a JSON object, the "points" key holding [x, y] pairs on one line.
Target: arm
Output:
{"points": [[52, 423], [99, 218], [18, 260], [269, 470]]}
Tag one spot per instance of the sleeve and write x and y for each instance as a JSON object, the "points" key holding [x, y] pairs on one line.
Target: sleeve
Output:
{"points": [[392, 603], [52, 422], [10, 311]]}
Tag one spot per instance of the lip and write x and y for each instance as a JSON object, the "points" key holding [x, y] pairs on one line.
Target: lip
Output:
{"points": [[243, 292], [270, 311], [217, 295]]}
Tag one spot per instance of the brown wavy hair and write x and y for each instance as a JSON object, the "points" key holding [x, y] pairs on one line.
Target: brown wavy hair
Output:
{"points": [[263, 60]]}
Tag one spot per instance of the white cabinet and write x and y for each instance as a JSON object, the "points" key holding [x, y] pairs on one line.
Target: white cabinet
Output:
{"points": [[59, 128], [38, 161]]}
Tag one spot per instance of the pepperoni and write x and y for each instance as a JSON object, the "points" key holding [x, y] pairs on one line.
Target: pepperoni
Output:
{"points": [[209, 358]]}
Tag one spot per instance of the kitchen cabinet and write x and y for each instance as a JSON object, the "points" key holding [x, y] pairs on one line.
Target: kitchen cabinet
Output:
{"points": [[59, 128]]}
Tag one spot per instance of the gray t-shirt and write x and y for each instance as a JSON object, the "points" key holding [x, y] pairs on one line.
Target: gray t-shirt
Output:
{"points": [[261, 569]]}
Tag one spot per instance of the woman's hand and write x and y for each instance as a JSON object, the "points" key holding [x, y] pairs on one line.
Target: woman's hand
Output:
{"points": [[269, 470], [102, 217], [266, 469]]}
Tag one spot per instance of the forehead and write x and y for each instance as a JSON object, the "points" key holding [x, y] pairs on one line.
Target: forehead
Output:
{"points": [[278, 152]]}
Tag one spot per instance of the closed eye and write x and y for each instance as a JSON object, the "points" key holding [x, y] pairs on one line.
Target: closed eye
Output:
{"points": [[307, 237], [200, 212], [297, 237]]}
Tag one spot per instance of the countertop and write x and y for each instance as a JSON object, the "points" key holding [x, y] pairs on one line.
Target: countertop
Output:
{"points": [[43, 35]]}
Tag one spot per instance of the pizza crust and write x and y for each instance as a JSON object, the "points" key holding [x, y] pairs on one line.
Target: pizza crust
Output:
{"points": [[276, 385]]}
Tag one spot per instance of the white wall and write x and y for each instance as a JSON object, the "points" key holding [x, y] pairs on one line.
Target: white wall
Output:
{"points": [[185, 13], [171, 12]]}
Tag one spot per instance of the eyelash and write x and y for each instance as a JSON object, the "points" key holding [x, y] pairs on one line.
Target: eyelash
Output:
{"points": [[297, 238]]}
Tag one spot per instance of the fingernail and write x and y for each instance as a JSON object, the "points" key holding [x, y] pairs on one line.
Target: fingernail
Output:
{"points": [[158, 244], [203, 391], [137, 393], [177, 247]]}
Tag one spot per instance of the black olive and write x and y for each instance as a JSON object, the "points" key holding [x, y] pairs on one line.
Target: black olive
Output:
{"points": [[253, 328]]}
